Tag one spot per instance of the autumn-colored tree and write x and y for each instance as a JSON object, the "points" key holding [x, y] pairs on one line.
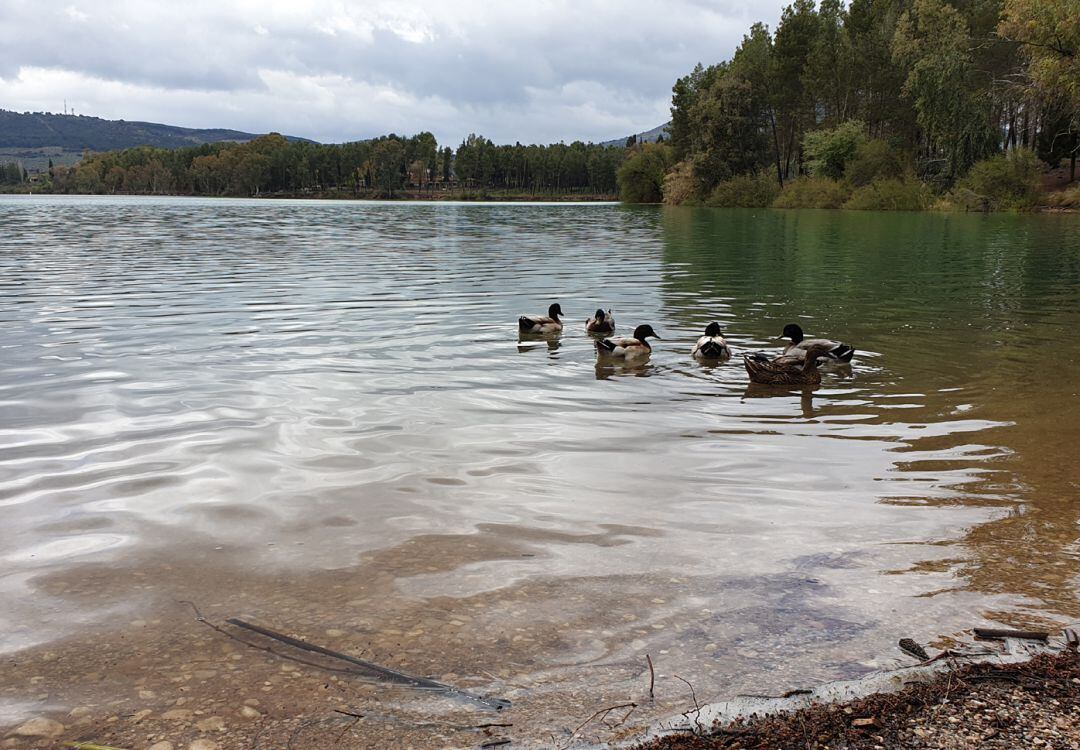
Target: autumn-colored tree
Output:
{"points": [[1049, 33]]}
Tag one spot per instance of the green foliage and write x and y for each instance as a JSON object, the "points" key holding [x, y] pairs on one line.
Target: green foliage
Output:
{"points": [[684, 96], [1009, 180], [831, 66], [745, 191], [828, 151], [388, 158], [641, 176], [873, 90], [812, 192], [891, 194], [728, 124], [951, 103], [12, 173], [272, 164], [876, 159]]}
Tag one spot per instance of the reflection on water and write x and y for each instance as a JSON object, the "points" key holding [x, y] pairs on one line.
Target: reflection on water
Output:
{"points": [[290, 389]]}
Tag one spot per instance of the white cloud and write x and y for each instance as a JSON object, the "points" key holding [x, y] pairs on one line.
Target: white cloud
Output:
{"points": [[75, 14], [333, 70]]}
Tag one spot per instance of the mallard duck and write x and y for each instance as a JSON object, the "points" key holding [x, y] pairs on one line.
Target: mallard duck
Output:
{"points": [[600, 322], [799, 345], [549, 323], [628, 347], [712, 344], [787, 369]]}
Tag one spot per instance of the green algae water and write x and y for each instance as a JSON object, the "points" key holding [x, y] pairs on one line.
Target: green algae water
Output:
{"points": [[319, 415]]}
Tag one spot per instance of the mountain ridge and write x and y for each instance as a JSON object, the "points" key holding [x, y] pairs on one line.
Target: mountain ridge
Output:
{"points": [[34, 138], [648, 136]]}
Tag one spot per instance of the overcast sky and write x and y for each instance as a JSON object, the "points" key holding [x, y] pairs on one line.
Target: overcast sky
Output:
{"points": [[535, 72]]}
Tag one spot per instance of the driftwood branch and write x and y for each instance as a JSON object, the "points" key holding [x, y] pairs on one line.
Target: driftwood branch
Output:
{"points": [[602, 714], [998, 633], [424, 683]]}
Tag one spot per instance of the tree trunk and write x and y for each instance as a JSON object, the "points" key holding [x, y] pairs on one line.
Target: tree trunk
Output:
{"points": [[775, 146], [1072, 158]]}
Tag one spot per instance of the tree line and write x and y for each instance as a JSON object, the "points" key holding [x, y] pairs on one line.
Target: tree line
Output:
{"points": [[913, 93], [12, 173], [382, 166]]}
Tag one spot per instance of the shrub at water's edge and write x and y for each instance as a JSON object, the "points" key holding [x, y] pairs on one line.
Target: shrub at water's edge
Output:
{"points": [[744, 191], [641, 176], [1007, 181], [891, 194], [813, 192], [877, 159], [828, 151]]}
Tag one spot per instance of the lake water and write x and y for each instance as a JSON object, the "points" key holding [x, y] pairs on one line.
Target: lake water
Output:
{"points": [[319, 416]]}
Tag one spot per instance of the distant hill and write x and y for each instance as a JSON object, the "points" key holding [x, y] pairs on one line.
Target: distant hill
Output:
{"points": [[649, 136], [35, 137]]}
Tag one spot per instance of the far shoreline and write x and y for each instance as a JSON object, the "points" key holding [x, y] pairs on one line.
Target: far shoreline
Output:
{"points": [[405, 197]]}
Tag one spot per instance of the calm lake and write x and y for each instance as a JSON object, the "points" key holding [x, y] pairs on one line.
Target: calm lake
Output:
{"points": [[319, 416]]}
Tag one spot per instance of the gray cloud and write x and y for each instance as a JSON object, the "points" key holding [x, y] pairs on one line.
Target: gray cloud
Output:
{"points": [[331, 70]]}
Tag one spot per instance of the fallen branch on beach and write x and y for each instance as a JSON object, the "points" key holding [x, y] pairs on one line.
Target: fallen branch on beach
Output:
{"points": [[999, 634]]}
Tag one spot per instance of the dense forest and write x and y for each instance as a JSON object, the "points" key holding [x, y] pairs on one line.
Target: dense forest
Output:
{"points": [[383, 166], [877, 104]]}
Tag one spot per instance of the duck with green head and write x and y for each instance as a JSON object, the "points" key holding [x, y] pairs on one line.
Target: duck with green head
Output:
{"points": [[835, 352], [600, 322], [711, 345], [634, 347], [549, 323]]}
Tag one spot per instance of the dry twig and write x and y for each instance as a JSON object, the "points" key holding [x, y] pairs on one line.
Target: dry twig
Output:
{"points": [[697, 707]]}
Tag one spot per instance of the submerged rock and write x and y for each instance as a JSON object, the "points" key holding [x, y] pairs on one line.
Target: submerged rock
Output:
{"points": [[39, 727]]}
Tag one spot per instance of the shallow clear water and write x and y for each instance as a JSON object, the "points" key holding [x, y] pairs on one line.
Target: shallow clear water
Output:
{"points": [[287, 389]]}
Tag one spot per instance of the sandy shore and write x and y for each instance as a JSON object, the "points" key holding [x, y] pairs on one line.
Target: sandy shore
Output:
{"points": [[304, 701]]}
